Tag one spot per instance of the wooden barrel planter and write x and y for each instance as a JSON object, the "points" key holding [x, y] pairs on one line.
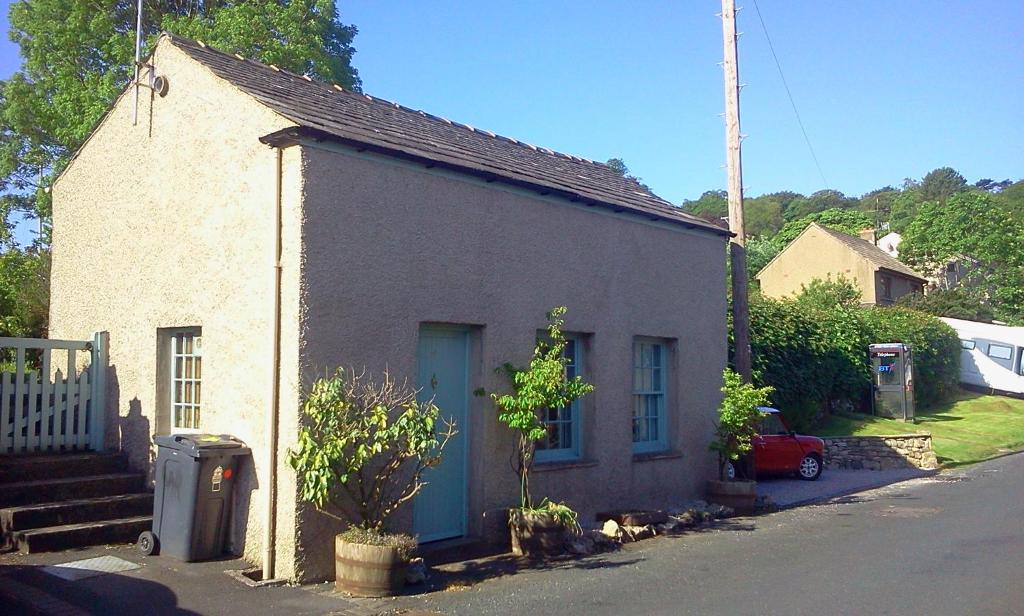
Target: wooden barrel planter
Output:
{"points": [[368, 570], [536, 534], [740, 495]]}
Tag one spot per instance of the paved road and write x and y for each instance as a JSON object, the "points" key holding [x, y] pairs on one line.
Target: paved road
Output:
{"points": [[949, 544]]}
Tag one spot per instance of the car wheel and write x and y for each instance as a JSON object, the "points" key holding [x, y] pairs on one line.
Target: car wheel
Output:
{"points": [[730, 470], [810, 467]]}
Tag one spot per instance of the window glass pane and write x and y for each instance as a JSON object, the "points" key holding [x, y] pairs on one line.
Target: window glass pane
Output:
{"points": [[998, 351], [185, 380], [559, 440], [649, 394]]}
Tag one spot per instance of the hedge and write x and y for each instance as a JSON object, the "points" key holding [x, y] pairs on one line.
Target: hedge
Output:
{"points": [[816, 358]]}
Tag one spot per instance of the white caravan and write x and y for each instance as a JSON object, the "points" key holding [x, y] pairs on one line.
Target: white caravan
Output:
{"points": [[990, 356]]}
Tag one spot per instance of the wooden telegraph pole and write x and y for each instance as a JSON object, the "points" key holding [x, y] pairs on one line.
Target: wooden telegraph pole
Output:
{"points": [[734, 165]]}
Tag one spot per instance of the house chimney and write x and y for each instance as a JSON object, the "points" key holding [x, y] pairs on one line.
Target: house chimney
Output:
{"points": [[867, 235]]}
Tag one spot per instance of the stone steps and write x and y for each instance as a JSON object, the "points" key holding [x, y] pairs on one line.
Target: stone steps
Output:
{"points": [[35, 467], [56, 501], [41, 515], [52, 538], [68, 488]]}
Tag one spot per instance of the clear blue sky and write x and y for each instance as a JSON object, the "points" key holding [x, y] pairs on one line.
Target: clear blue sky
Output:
{"points": [[886, 89]]}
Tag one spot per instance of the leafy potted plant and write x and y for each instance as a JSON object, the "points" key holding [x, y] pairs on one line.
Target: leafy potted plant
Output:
{"points": [[738, 418], [362, 450], [538, 530]]}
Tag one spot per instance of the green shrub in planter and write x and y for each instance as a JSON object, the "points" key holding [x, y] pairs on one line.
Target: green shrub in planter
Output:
{"points": [[738, 419], [363, 447], [540, 386]]}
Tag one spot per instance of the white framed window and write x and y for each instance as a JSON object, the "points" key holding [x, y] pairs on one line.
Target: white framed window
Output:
{"points": [[999, 351], [186, 379], [967, 345], [649, 379], [562, 441]]}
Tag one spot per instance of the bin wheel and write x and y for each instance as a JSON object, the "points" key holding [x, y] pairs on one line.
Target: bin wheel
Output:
{"points": [[147, 543]]}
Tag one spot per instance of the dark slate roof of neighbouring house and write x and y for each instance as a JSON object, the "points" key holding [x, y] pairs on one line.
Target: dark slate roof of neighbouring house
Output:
{"points": [[329, 112], [872, 253]]}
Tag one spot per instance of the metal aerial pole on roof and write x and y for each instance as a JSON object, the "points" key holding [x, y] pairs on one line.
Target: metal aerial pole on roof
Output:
{"points": [[734, 166], [138, 61]]}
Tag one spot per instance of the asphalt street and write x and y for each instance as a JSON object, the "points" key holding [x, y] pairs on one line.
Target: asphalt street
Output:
{"points": [[948, 544]]}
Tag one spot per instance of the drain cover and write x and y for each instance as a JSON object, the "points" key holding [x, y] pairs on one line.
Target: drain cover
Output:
{"points": [[90, 567]]}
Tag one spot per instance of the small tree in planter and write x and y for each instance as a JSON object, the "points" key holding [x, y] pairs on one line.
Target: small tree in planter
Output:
{"points": [[360, 456], [738, 418], [542, 385]]}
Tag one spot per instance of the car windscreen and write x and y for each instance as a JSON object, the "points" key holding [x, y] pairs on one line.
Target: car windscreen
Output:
{"points": [[772, 424]]}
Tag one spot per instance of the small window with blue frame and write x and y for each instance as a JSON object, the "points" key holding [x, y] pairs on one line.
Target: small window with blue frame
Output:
{"points": [[649, 414], [562, 441]]}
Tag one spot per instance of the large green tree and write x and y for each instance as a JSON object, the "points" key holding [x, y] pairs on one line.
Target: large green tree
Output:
{"points": [[713, 203], [762, 216], [77, 55], [973, 228], [941, 184]]}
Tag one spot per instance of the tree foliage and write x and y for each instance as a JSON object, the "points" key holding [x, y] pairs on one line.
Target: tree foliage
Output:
{"points": [[967, 304], [941, 184], [711, 203], [828, 293], [364, 445], [972, 227], [760, 252], [24, 292], [762, 216], [738, 418], [847, 221], [619, 166], [77, 55]]}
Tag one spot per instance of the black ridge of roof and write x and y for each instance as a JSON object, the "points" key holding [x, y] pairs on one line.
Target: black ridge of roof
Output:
{"points": [[333, 112]]}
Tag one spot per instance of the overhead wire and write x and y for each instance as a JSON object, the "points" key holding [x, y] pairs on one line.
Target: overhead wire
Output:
{"points": [[789, 94]]}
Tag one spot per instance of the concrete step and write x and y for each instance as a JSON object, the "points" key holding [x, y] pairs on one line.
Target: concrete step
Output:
{"points": [[34, 467], [68, 488], [75, 511], [52, 538]]}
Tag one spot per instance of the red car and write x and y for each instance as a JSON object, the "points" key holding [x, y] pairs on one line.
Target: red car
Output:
{"points": [[777, 449]]}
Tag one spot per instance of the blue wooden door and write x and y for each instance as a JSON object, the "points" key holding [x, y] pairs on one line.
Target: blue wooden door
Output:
{"points": [[439, 510]]}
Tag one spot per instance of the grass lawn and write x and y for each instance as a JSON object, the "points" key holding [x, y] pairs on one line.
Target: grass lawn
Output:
{"points": [[970, 428]]}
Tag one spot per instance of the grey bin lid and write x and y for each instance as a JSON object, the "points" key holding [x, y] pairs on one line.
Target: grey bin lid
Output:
{"points": [[203, 445]]}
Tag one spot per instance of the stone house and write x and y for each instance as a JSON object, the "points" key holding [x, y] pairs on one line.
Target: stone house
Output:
{"points": [[820, 252], [259, 227]]}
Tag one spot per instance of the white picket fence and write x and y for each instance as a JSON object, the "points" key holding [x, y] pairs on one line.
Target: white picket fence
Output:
{"points": [[44, 408]]}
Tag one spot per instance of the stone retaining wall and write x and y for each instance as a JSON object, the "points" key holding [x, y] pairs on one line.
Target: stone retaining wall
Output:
{"points": [[880, 452]]}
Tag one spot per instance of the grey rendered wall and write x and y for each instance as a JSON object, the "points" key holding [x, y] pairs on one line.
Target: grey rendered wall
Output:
{"points": [[170, 223], [391, 245]]}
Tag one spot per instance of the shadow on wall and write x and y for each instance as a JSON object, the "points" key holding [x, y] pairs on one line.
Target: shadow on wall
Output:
{"points": [[246, 483], [131, 432]]}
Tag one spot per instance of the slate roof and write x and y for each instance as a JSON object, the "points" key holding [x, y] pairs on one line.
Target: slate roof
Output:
{"points": [[325, 111], [872, 253]]}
